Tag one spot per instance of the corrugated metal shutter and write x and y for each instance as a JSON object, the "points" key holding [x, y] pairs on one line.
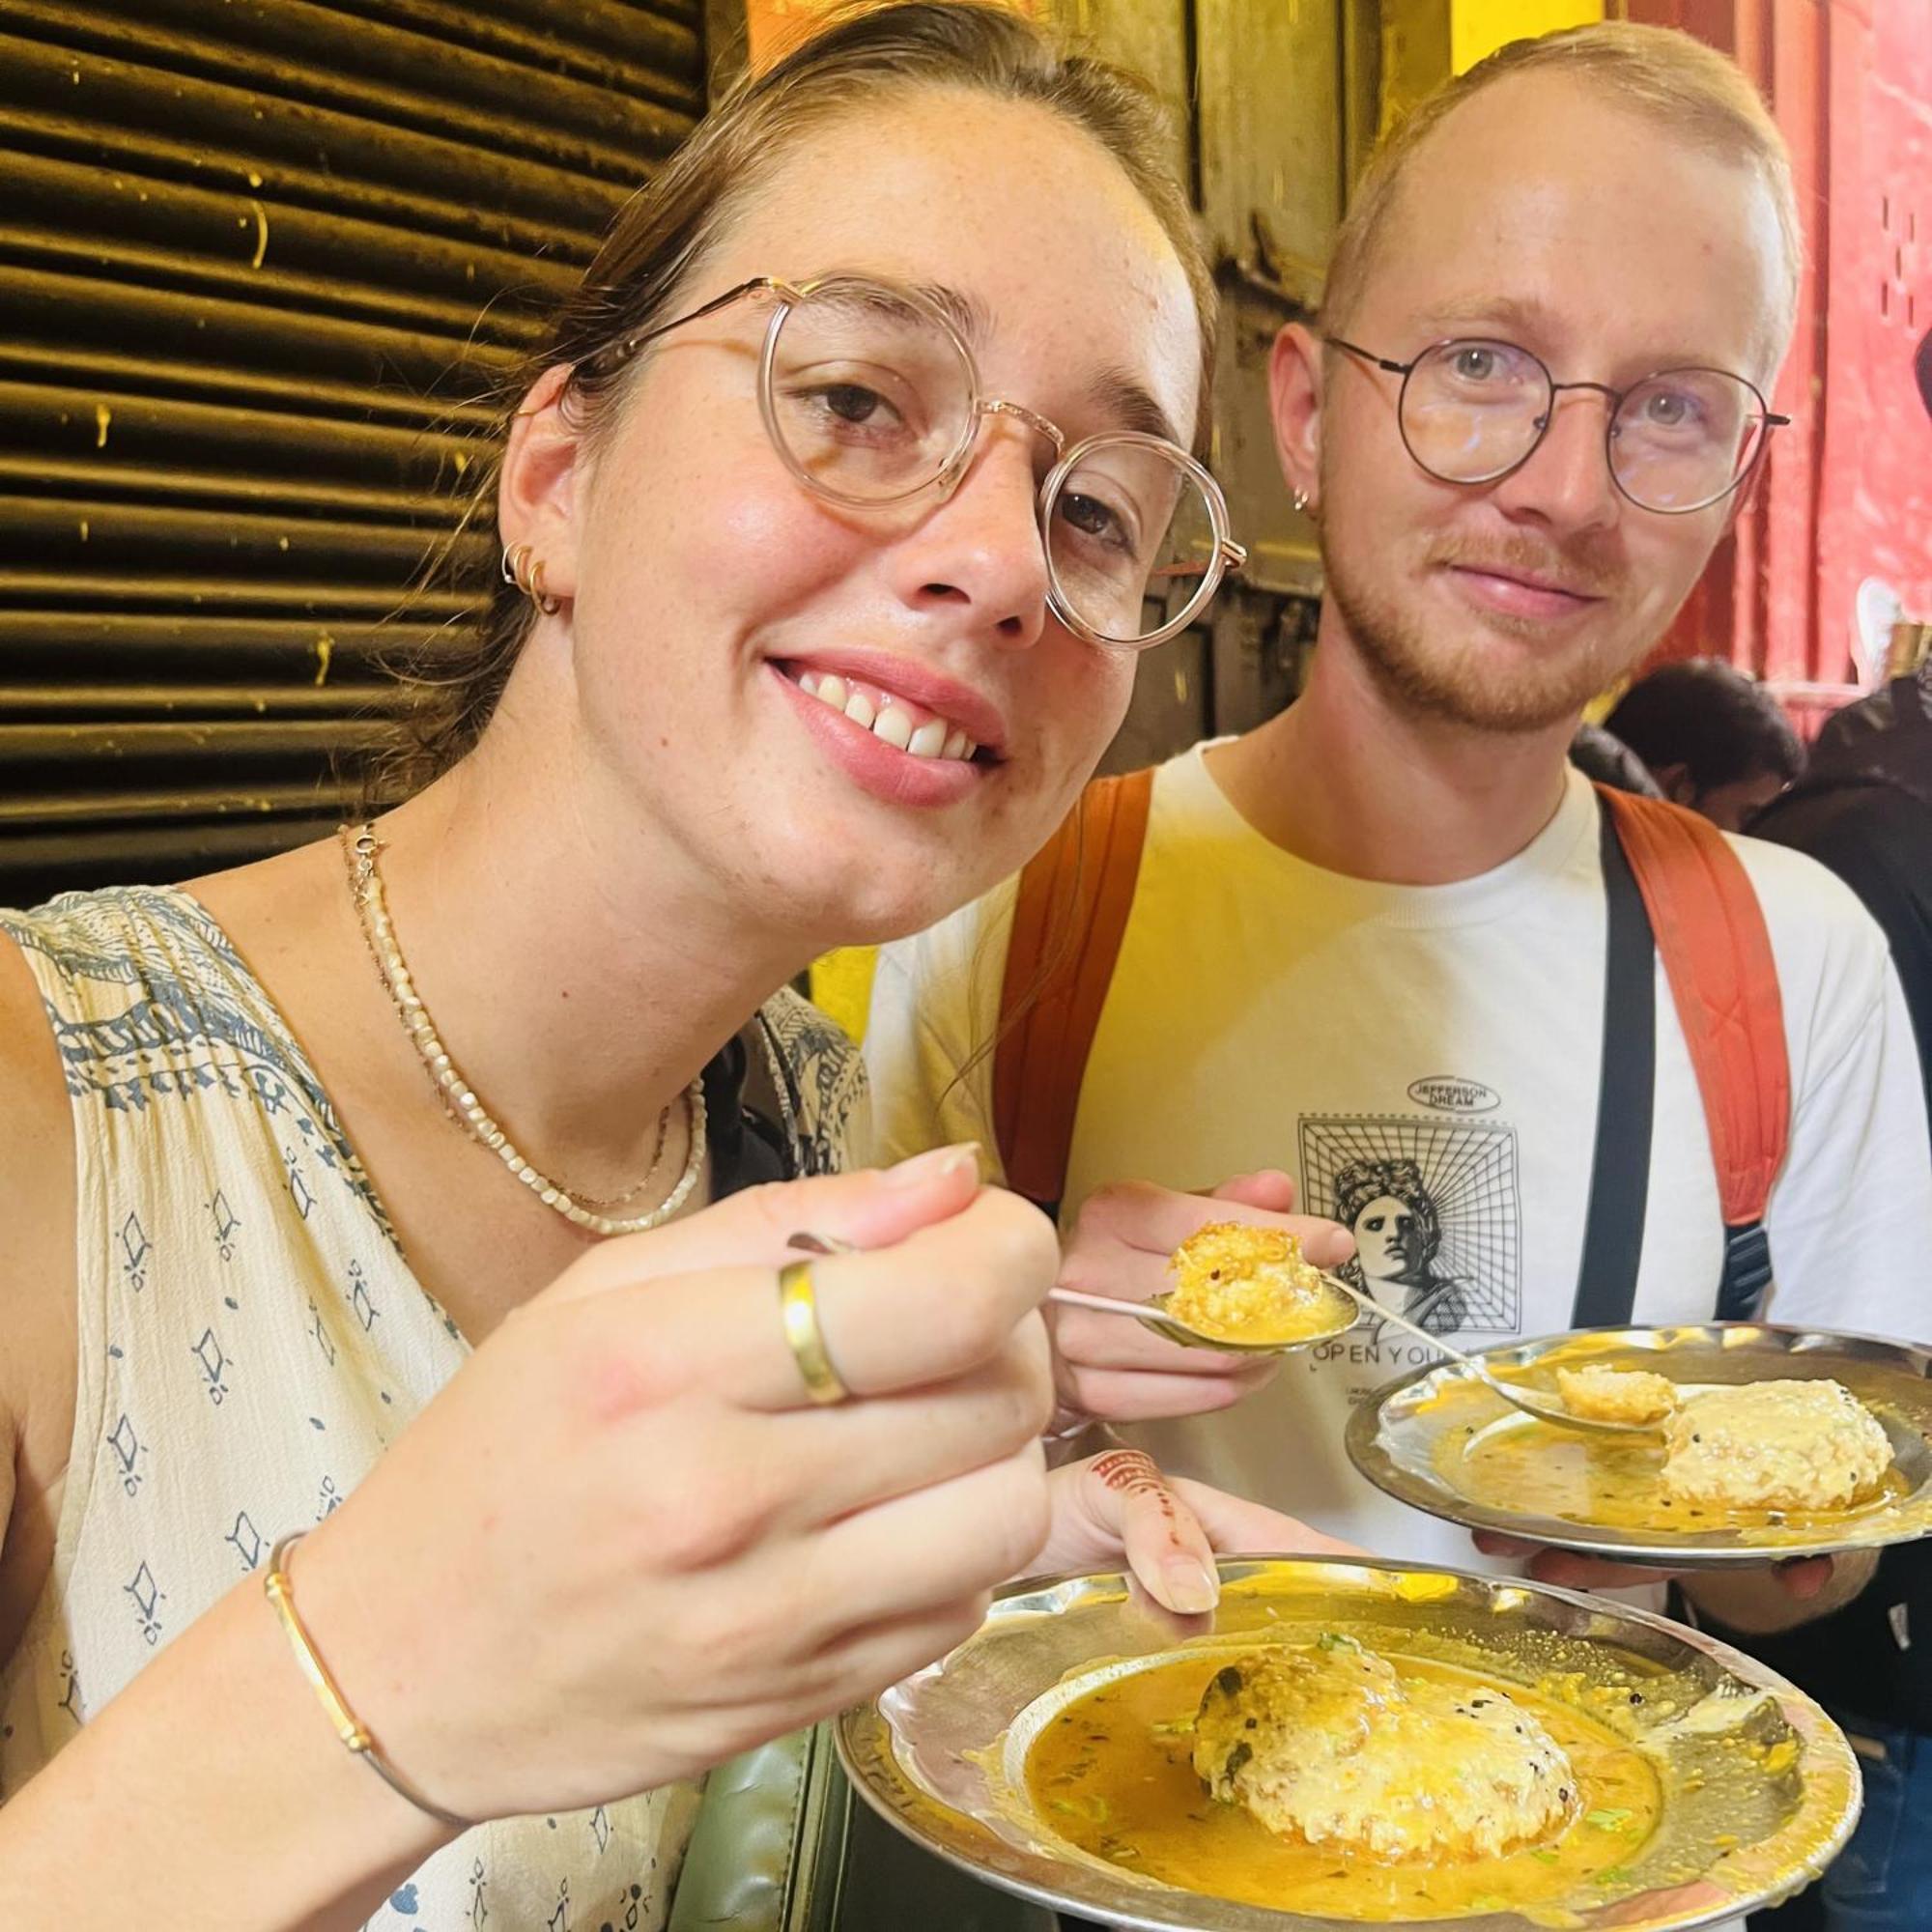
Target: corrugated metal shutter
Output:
{"points": [[258, 259]]}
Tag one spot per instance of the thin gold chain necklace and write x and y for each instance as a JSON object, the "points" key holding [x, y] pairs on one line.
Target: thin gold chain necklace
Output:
{"points": [[360, 849]]}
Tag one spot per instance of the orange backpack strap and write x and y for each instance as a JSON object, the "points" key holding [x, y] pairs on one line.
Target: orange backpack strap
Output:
{"points": [[1068, 921], [1717, 956]]}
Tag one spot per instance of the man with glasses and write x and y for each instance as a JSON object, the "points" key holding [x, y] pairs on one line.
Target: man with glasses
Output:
{"points": [[1373, 931]]}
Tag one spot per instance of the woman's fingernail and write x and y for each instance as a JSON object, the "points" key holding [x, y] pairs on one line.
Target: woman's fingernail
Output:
{"points": [[939, 1163], [1191, 1586]]}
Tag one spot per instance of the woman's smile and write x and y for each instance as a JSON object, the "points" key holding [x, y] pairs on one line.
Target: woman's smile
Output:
{"points": [[900, 731]]}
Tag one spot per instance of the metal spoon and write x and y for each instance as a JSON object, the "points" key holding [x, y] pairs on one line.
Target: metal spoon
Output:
{"points": [[1156, 1314], [1151, 1314], [1560, 1416], [1177, 1329], [1072, 1297]]}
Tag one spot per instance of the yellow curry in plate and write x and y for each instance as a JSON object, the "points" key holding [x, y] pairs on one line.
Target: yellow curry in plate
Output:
{"points": [[1115, 1773]]}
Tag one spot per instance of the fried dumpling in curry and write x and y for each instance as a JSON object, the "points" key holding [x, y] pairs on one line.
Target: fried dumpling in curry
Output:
{"points": [[1332, 1746], [1782, 1445], [1247, 1282], [1599, 1394]]}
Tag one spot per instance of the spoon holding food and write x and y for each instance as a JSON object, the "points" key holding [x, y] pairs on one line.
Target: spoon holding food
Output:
{"points": [[1248, 1291]]}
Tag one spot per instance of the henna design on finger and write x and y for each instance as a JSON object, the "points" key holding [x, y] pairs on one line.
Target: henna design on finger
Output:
{"points": [[1131, 1472]]}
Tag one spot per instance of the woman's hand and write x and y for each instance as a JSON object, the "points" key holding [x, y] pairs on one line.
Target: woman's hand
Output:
{"points": [[624, 1543], [1167, 1529], [1120, 1245]]}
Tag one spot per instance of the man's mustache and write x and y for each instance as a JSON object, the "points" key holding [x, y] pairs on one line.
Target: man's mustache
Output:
{"points": [[1582, 574]]}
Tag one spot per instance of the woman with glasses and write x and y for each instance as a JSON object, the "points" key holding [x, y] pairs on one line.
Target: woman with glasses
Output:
{"points": [[354, 1383]]}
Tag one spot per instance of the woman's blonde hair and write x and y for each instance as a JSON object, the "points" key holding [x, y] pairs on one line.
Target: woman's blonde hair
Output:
{"points": [[1688, 89], [864, 57]]}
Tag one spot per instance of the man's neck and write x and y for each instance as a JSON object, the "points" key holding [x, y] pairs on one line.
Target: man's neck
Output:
{"points": [[1353, 780]]}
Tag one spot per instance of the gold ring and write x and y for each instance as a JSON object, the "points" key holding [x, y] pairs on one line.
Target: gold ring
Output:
{"points": [[798, 1305]]}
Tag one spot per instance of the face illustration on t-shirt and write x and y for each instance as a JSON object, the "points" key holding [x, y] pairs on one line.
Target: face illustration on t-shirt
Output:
{"points": [[1432, 1200]]}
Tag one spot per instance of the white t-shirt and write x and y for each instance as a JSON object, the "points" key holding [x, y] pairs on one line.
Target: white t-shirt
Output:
{"points": [[1424, 1060]]}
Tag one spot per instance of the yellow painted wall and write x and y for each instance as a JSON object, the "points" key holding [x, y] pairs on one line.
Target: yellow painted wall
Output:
{"points": [[1479, 27]]}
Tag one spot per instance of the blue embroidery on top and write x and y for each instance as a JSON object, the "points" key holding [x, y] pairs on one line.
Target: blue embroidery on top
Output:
{"points": [[298, 1188], [321, 1333], [189, 1024], [136, 1247], [148, 1596], [216, 1363], [360, 1299], [128, 1449], [247, 1541], [70, 1688], [226, 1222]]}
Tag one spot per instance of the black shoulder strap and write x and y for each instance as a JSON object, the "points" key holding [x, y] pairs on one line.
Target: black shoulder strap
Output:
{"points": [[1620, 1170]]}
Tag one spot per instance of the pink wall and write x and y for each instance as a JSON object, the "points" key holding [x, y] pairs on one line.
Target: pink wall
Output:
{"points": [[1847, 492], [1876, 514]]}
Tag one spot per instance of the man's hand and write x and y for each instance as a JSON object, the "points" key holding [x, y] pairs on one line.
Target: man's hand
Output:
{"points": [[1118, 1247], [1759, 1600]]}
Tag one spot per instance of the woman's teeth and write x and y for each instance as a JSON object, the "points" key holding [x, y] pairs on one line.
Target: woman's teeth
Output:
{"points": [[933, 738]]}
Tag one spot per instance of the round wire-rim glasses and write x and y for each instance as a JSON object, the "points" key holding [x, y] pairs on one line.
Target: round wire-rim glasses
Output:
{"points": [[1223, 553], [1760, 420]]}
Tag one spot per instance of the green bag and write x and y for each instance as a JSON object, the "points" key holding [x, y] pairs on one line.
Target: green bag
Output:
{"points": [[783, 1845]]}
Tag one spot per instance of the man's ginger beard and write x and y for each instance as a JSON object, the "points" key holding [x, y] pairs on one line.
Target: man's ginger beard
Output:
{"points": [[1452, 683]]}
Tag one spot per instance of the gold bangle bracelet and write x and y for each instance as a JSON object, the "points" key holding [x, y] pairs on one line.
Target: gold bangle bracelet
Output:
{"points": [[353, 1733]]}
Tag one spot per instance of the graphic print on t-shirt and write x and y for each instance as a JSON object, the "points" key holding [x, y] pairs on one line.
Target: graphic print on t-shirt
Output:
{"points": [[1434, 1209]]}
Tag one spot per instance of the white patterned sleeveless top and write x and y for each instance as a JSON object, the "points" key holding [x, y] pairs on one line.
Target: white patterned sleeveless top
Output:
{"points": [[251, 1339]]}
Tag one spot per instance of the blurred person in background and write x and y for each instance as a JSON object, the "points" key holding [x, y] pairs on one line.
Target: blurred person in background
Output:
{"points": [[1610, 761], [1714, 739], [1864, 809]]}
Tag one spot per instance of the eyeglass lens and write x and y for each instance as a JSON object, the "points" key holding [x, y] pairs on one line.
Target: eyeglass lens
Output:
{"points": [[1129, 538], [1679, 441], [870, 396], [871, 399]]}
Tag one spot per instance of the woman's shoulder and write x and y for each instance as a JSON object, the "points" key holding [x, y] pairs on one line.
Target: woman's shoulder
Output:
{"points": [[103, 958], [822, 1081], [98, 934], [37, 1281]]}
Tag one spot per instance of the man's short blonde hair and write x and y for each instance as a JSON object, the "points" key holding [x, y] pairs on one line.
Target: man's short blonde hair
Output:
{"points": [[1687, 88]]}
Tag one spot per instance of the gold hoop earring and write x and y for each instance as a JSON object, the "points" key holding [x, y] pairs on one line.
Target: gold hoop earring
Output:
{"points": [[520, 568], [549, 606]]}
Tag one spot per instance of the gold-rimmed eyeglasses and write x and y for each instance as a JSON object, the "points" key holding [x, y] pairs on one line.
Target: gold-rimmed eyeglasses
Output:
{"points": [[871, 397], [1474, 411]]}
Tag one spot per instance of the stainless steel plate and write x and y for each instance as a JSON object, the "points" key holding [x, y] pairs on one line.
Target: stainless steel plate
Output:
{"points": [[1415, 1437], [1760, 1789]]}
